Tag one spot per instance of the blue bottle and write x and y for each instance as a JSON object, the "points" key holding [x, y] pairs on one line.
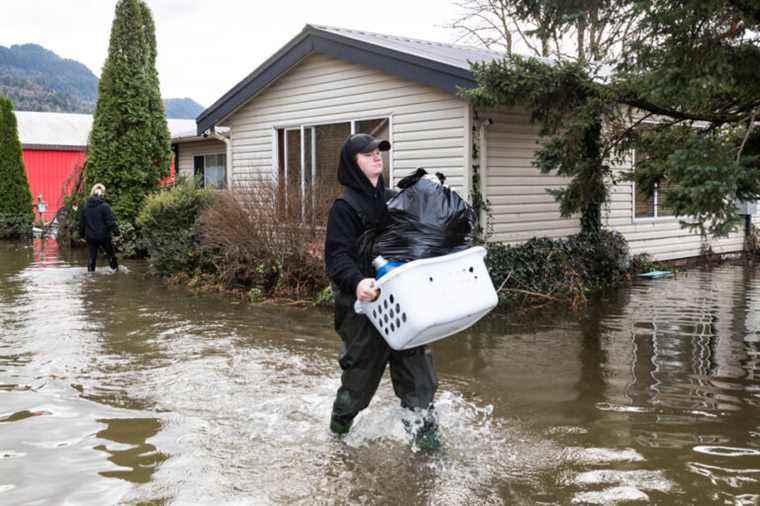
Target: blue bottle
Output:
{"points": [[383, 266]]}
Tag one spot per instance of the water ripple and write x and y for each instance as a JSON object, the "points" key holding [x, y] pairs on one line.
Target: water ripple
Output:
{"points": [[119, 390]]}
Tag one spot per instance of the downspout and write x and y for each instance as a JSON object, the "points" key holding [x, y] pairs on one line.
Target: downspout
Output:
{"points": [[469, 129], [483, 171], [227, 157]]}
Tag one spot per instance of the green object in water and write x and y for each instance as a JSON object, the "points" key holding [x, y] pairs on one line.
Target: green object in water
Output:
{"points": [[656, 274]]}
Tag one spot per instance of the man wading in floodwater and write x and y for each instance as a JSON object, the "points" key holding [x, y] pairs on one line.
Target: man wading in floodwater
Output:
{"points": [[364, 352], [96, 224]]}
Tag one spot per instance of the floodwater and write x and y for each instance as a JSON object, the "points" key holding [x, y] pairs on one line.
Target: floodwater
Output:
{"points": [[115, 389]]}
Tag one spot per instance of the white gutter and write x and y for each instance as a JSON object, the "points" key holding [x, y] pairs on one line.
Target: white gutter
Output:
{"points": [[228, 156], [468, 130]]}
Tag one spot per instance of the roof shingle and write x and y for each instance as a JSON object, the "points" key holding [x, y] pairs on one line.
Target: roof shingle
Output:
{"points": [[449, 54]]}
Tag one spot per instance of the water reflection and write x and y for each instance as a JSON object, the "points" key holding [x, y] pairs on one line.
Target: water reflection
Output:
{"points": [[14, 258], [684, 377], [651, 395], [137, 458], [46, 252]]}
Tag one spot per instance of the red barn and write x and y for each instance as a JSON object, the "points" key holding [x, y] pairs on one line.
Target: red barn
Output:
{"points": [[55, 148]]}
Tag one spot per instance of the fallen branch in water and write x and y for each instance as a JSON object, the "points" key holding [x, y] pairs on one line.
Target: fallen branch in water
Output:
{"points": [[509, 275], [535, 294]]}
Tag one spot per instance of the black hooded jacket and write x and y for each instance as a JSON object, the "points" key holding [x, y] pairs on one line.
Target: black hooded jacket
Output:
{"points": [[345, 225], [97, 222]]}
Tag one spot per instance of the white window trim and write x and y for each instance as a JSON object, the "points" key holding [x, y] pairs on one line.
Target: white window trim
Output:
{"points": [[329, 120], [204, 154], [352, 120], [656, 217], [303, 172], [655, 196]]}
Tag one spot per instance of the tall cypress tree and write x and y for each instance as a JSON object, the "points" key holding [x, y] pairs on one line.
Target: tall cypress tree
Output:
{"points": [[130, 147], [16, 213]]}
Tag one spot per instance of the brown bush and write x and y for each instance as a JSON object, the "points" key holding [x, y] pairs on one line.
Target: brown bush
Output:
{"points": [[264, 237]]}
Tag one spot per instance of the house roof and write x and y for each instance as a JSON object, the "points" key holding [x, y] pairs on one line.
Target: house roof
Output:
{"points": [[53, 129], [449, 54], [192, 135], [444, 66], [67, 131]]}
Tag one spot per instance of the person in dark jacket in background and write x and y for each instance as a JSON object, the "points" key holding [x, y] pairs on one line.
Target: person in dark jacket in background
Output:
{"points": [[96, 226], [364, 352]]}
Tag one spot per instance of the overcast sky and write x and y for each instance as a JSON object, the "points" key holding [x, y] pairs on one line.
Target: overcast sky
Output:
{"points": [[204, 46]]}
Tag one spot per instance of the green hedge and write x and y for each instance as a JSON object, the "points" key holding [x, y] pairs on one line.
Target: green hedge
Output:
{"points": [[16, 212], [167, 227], [558, 270]]}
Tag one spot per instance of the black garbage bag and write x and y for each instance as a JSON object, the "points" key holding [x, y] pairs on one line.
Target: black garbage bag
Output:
{"points": [[426, 220]]}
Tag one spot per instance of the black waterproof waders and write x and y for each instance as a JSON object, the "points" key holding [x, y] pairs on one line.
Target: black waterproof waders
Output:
{"points": [[364, 355], [93, 246], [354, 220]]}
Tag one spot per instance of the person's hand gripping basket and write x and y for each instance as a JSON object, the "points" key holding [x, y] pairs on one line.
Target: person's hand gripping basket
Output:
{"points": [[426, 300]]}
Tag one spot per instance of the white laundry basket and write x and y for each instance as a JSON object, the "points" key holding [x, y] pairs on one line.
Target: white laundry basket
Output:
{"points": [[426, 300]]}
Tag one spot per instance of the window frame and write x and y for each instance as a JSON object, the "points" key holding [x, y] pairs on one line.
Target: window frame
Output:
{"points": [[655, 198], [301, 127], [204, 154]]}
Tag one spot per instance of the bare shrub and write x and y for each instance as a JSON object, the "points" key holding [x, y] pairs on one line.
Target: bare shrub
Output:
{"points": [[268, 237], [67, 217]]}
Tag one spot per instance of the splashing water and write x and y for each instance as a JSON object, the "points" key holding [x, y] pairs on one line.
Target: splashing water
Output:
{"points": [[115, 389]]}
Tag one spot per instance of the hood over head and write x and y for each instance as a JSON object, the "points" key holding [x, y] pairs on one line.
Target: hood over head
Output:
{"points": [[349, 173], [94, 201]]}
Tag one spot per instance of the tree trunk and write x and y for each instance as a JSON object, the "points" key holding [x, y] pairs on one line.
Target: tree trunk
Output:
{"points": [[581, 27], [594, 188]]}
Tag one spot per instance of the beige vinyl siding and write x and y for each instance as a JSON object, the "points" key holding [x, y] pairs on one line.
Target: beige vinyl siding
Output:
{"points": [[427, 125], [661, 238], [188, 150], [429, 128], [520, 206]]}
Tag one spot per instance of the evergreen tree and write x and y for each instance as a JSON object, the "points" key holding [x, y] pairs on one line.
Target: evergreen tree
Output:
{"points": [[130, 148], [680, 89], [16, 213]]}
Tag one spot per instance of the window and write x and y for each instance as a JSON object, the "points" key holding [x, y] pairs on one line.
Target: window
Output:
{"points": [[652, 205], [307, 168], [211, 170], [379, 128]]}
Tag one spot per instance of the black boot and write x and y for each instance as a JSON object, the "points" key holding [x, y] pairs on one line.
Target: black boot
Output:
{"points": [[340, 424], [424, 430], [340, 427]]}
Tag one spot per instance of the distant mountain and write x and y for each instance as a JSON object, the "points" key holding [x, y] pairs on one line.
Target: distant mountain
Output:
{"points": [[182, 108], [37, 79]]}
